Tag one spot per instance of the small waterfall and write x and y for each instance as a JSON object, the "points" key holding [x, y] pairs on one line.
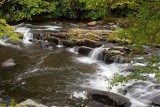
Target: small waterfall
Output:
{"points": [[60, 43], [96, 53], [27, 35]]}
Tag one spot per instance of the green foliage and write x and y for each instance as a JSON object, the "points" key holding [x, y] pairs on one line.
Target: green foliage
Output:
{"points": [[140, 73], [12, 103], [7, 31], [71, 9], [102, 8], [144, 31], [25, 9], [16, 10]]}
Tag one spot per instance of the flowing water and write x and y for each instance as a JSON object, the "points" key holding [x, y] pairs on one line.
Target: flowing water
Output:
{"points": [[59, 76]]}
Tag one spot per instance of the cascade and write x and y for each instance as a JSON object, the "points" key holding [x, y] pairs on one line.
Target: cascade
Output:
{"points": [[60, 44], [96, 53], [27, 35]]}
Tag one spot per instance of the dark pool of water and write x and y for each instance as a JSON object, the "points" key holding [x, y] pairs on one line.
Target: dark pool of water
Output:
{"points": [[48, 77]]}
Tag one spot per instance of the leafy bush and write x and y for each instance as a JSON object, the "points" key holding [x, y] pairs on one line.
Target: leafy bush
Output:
{"points": [[7, 31]]}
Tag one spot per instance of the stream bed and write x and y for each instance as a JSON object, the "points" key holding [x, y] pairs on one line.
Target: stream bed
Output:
{"points": [[57, 76]]}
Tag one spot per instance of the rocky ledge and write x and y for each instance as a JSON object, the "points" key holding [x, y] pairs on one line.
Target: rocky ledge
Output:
{"points": [[99, 98]]}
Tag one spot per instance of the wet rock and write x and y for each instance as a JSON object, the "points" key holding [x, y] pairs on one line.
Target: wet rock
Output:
{"points": [[108, 99], [9, 63], [53, 39], [29, 103], [117, 56], [38, 36], [91, 43], [78, 42], [60, 35], [72, 43], [46, 45], [113, 27], [84, 50], [156, 101], [95, 104]]}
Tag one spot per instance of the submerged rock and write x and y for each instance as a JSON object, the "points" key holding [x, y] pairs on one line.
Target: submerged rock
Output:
{"points": [[107, 99], [9, 63]]}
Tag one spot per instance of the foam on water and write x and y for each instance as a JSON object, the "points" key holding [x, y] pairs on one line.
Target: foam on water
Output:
{"points": [[85, 60], [82, 95], [74, 49], [52, 28], [60, 44], [27, 35], [100, 79], [4, 43]]}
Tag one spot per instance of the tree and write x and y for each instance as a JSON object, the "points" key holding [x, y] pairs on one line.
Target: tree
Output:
{"points": [[7, 31], [102, 8], [145, 30], [25, 9]]}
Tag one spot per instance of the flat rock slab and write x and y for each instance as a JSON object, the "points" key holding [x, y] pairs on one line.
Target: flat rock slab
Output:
{"points": [[108, 99]]}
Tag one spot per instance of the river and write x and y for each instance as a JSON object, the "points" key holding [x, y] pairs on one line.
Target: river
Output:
{"points": [[57, 76]]}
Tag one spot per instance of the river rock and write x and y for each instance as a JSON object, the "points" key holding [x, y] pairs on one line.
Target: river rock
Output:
{"points": [[38, 36], [84, 50], [9, 63], [110, 56], [52, 39], [91, 43], [108, 99], [81, 42], [60, 35], [46, 45], [29, 103], [95, 104], [156, 101]]}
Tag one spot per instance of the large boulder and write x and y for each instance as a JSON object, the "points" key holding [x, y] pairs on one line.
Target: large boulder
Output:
{"points": [[9, 63], [95, 104], [107, 99], [156, 101], [84, 50]]}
